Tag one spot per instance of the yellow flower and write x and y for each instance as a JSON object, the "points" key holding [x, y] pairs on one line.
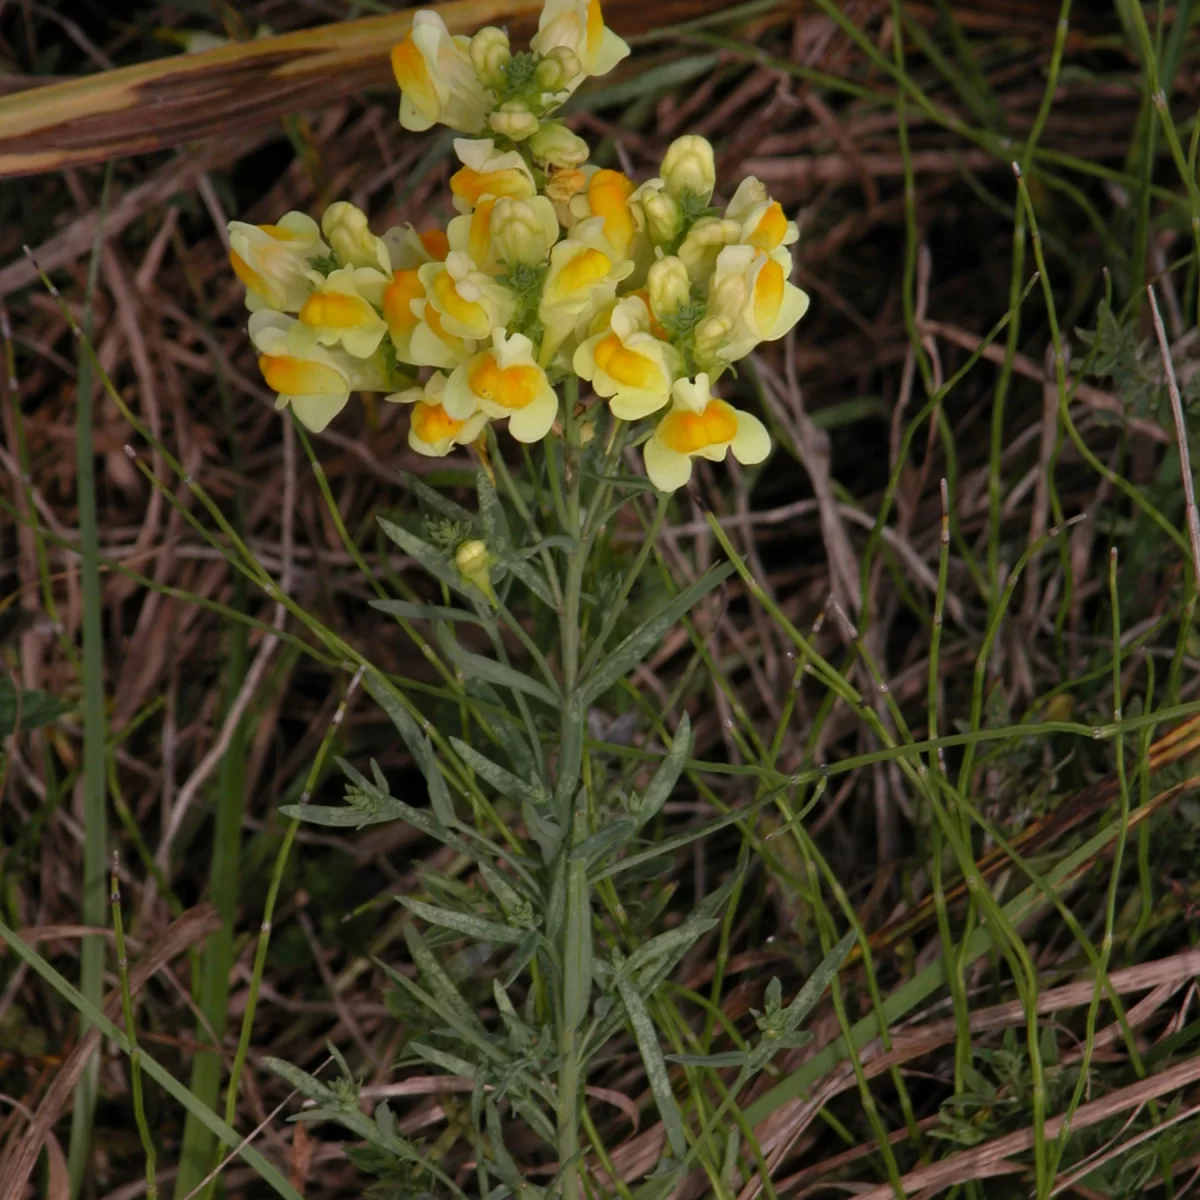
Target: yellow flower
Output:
{"points": [[431, 346], [490, 55], [583, 277], [699, 425], [688, 166], [352, 240], [437, 79], [578, 26], [504, 382], [504, 230], [408, 248], [400, 312], [470, 303], [705, 240], [557, 146], [486, 173], [751, 288], [474, 562], [668, 287], [432, 431], [273, 260], [661, 215], [627, 364], [608, 196], [316, 383], [342, 310], [764, 224], [513, 120]]}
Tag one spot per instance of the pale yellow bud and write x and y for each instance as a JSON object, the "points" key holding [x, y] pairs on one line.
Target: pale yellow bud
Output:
{"points": [[490, 54], [514, 120], [557, 146], [664, 220], [474, 563], [705, 240], [558, 70], [688, 166], [669, 287], [711, 335], [345, 227], [523, 230]]}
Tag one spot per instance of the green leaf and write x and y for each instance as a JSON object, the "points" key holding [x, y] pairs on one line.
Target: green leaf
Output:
{"points": [[670, 844], [610, 838], [577, 967], [426, 612], [730, 1058], [505, 782], [491, 512], [434, 561], [817, 982], [530, 577], [37, 708], [307, 1085], [435, 977], [507, 729], [612, 669], [467, 923], [524, 955], [656, 1067], [450, 1063], [493, 672], [675, 942], [667, 776]]}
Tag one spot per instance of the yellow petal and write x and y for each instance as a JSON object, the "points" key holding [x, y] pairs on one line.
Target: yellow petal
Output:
{"points": [[626, 366], [511, 387], [469, 185], [247, 274], [298, 377], [771, 228], [608, 194], [334, 310], [412, 74], [405, 287], [467, 312], [432, 423], [688, 432], [768, 294], [584, 270]]}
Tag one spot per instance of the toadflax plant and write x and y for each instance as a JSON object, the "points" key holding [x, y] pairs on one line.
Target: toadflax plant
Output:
{"points": [[554, 272]]}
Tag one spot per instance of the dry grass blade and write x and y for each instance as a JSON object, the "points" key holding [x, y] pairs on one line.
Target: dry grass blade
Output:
{"points": [[195, 925], [164, 103]]}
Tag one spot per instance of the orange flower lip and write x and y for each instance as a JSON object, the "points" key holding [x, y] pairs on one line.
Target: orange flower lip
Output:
{"points": [[298, 377], [768, 295], [335, 311], [432, 423], [627, 366], [405, 287], [510, 387], [688, 432]]}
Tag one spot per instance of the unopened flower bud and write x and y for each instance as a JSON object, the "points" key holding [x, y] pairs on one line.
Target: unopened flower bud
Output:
{"points": [[514, 120], [711, 334], [557, 146], [490, 54], [474, 563], [669, 287], [664, 219], [345, 228], [705, 240], [523, 230], [688, 166], [558, 70]]}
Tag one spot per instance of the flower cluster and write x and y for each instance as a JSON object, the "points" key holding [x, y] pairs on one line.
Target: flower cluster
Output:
{"points": [[553, 267]]}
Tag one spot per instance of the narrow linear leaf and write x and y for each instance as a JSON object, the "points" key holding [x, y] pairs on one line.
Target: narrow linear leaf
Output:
{"points": [[434, 561], [656, 1067], [674, 941], [599, 845], [450, 1063], [577, 969], [492, 671], [491, 512], [36, 708], [307, 1085], [615, 666], [667, 776], [425, 612], [504, 781], [436, 978], [467, 923], [508, 730], [448, 508], [530, 577], [817, 982], [405, 723], [730, 1058]]}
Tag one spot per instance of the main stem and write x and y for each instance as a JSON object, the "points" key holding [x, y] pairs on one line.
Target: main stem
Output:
{"points": [[576, 974]]}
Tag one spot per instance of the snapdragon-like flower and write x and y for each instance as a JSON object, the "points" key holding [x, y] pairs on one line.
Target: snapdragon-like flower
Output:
{"points": [[438, 81], [503, 231], [485, 172], [750, 287], [346, 228], [504, 382], [583, 277], [627, 364], [578, 26], [662, 217], [316, 381], [432, 431], [408, 248], [704, 242], [608, 196], [400, 312], [470, 303], [342, 311], [689, 168], [764, 224], [274, 261], [700, 426]]}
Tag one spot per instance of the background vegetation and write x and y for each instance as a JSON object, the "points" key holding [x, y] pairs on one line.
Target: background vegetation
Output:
{"points": [[953, 683]]}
